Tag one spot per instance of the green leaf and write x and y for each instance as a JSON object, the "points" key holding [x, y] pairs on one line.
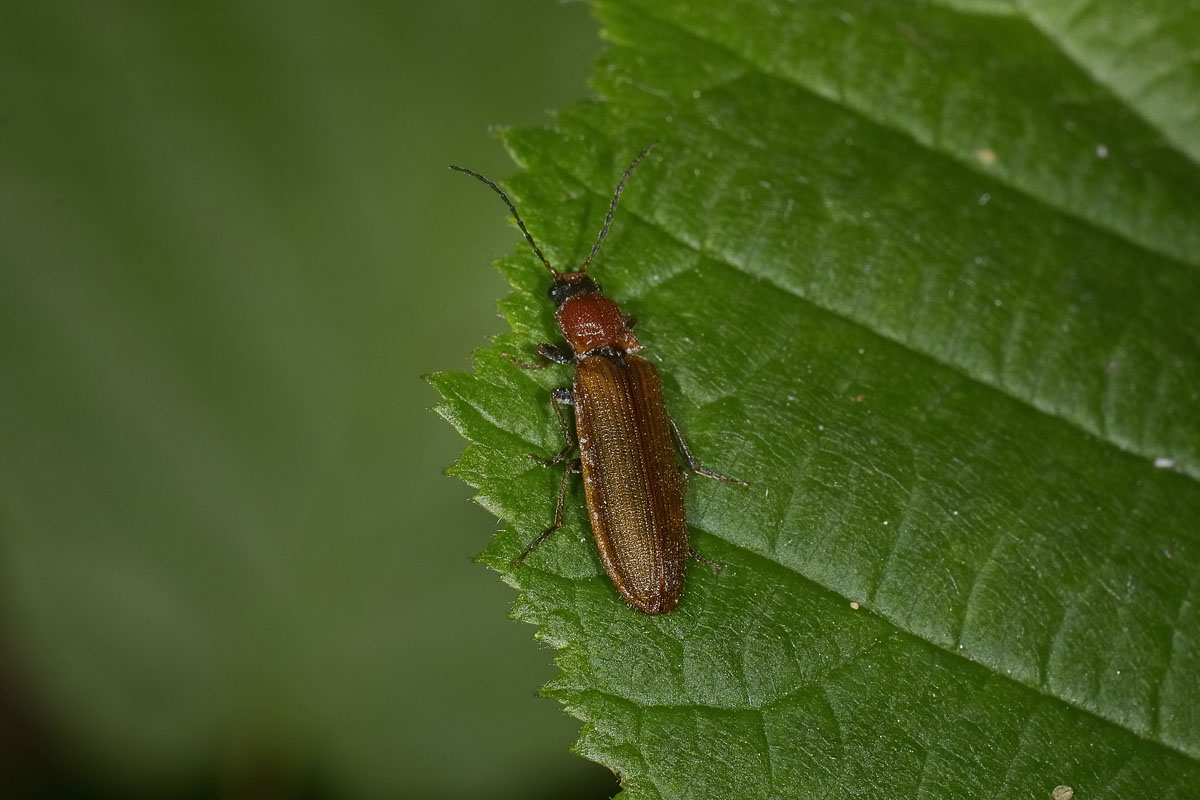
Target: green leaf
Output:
{"points": [[926, 275]]}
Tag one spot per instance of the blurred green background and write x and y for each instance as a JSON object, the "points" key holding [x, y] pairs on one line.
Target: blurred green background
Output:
{"points": [[229, 248]]}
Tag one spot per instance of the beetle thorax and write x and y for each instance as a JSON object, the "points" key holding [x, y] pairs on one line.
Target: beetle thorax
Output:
{"points": [[591, 321]]}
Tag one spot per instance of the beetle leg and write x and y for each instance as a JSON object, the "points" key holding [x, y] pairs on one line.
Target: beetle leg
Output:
{"points": [[573, 467], [559, 354], [717, 565], [547, 353], [562, 396], [693, 464]]}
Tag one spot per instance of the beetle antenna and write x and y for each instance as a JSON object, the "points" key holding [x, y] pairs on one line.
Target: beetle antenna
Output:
{"points": [[517, 217], [612, 209]]}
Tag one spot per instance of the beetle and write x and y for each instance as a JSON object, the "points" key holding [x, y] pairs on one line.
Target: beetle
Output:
{"points": [[633, 486]]}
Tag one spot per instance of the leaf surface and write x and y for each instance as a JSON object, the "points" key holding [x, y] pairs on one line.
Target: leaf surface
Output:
{"points": [[925, 275]]}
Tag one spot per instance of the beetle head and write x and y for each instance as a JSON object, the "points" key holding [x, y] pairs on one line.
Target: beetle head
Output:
{"points": [[571, 284]]}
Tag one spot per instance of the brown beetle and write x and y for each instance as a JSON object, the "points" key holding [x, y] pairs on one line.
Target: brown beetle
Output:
{"points": [[633, 485]]}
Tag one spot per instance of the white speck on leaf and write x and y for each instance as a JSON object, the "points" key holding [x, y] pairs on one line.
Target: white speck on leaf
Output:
{"points": [[985, 156]]}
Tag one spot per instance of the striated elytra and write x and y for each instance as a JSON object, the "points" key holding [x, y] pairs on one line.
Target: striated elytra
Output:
{"points": [[633, 485]]}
